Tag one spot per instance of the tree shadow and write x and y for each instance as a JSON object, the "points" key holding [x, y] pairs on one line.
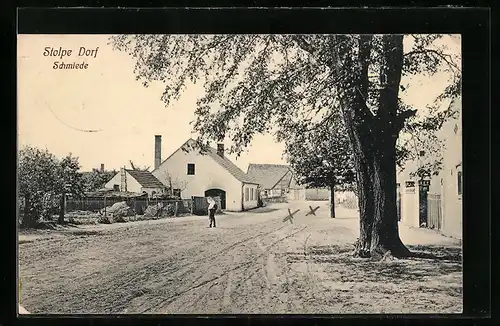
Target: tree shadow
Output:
{"points": [[49, 225], [436, 253], [261, 210], [427, 261]]}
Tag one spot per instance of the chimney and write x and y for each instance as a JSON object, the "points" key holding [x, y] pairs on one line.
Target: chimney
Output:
{"points": [[220, 150], [123, 179], [157, 151], [102, 167]]}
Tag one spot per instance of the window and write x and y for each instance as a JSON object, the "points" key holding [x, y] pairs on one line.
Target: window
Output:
{"points": [[190, 169], [246, 194], [251, 193], [116, 187], [459, 176], [177, 192]]}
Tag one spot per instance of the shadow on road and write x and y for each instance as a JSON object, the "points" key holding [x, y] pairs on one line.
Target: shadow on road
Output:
{"points": [[261, 210], [437, 253], [429, 261]]}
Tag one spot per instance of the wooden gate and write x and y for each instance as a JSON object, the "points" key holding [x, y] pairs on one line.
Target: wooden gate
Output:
{"points": [[434, 211], [200, 205]]}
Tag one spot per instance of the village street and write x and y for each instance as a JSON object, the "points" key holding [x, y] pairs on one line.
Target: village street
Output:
{"points": [[253, 262]]}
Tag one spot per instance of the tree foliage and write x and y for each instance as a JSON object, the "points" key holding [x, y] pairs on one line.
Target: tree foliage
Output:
{"points": [[321, 157], [42, 179], [96, 179], [254, 82]]}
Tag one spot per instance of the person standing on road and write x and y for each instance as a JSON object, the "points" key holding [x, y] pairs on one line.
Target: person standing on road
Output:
{"points": [[212, 207]]}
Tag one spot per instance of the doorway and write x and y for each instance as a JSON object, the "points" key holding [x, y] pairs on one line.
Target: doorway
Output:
{"points": [[217, 193]]}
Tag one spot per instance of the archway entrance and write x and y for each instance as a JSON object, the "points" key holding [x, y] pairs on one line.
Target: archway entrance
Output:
{"points": [[217, 193]]}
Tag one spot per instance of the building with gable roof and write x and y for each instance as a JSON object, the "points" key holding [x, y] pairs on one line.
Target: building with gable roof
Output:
{"points": [[275, 180], [210, 173], [278, 181], [135, 181]]}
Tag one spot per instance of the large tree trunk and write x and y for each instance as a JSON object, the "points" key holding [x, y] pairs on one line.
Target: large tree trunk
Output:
{"points": [[373, 140], [332, 201]]}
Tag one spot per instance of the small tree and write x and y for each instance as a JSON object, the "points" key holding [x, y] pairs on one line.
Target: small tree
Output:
{"points": [[70, 183], [321, 157], [39, 181], [174, 183]]}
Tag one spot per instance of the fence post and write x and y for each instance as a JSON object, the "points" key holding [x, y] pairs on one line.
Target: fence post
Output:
{"points": [[176, 209], [62, 208]]}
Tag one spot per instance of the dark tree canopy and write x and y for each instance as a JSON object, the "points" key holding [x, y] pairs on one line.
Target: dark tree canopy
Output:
{"points": [[288, 84], [321, 157], [43, 179]]}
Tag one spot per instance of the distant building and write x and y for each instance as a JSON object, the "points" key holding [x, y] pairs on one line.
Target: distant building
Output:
{"points": [[444, 211], [135, 181], [275, 180], [278, 181], [209, 174]]}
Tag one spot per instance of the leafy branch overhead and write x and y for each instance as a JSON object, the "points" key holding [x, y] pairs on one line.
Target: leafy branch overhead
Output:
{"points": [[263, 83]]}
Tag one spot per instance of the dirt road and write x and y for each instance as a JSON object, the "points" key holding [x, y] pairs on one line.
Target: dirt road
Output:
{"points": [[251, 263]]}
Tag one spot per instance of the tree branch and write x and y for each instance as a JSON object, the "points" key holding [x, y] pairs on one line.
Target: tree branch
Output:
{"points": [[321, 123], [303, 44], [445, 57], [401, 118]]}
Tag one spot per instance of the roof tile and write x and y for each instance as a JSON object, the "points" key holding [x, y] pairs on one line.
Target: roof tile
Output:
{"points": [[145, 179]]}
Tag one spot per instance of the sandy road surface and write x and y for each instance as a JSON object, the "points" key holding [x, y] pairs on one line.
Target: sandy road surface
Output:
{"points": [[251, 263]]}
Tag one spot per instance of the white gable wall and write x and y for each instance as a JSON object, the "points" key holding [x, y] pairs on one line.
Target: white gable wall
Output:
{"points": [[208, 175], [132, 184], [452, 159]]}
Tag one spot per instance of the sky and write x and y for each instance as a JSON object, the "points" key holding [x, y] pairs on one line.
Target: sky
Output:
{"points": [[54, 106]]}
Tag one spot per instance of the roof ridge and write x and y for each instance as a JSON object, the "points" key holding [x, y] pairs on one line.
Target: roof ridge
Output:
{"points": [[270, 164], [239, 174]]}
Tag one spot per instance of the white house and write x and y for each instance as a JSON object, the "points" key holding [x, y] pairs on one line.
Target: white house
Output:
{"points": [[135, 181], [451, 178], [209, 174], [446, 188]]}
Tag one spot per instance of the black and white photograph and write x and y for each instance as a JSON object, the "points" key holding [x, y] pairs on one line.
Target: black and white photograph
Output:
{"points": [[239, 174]]}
